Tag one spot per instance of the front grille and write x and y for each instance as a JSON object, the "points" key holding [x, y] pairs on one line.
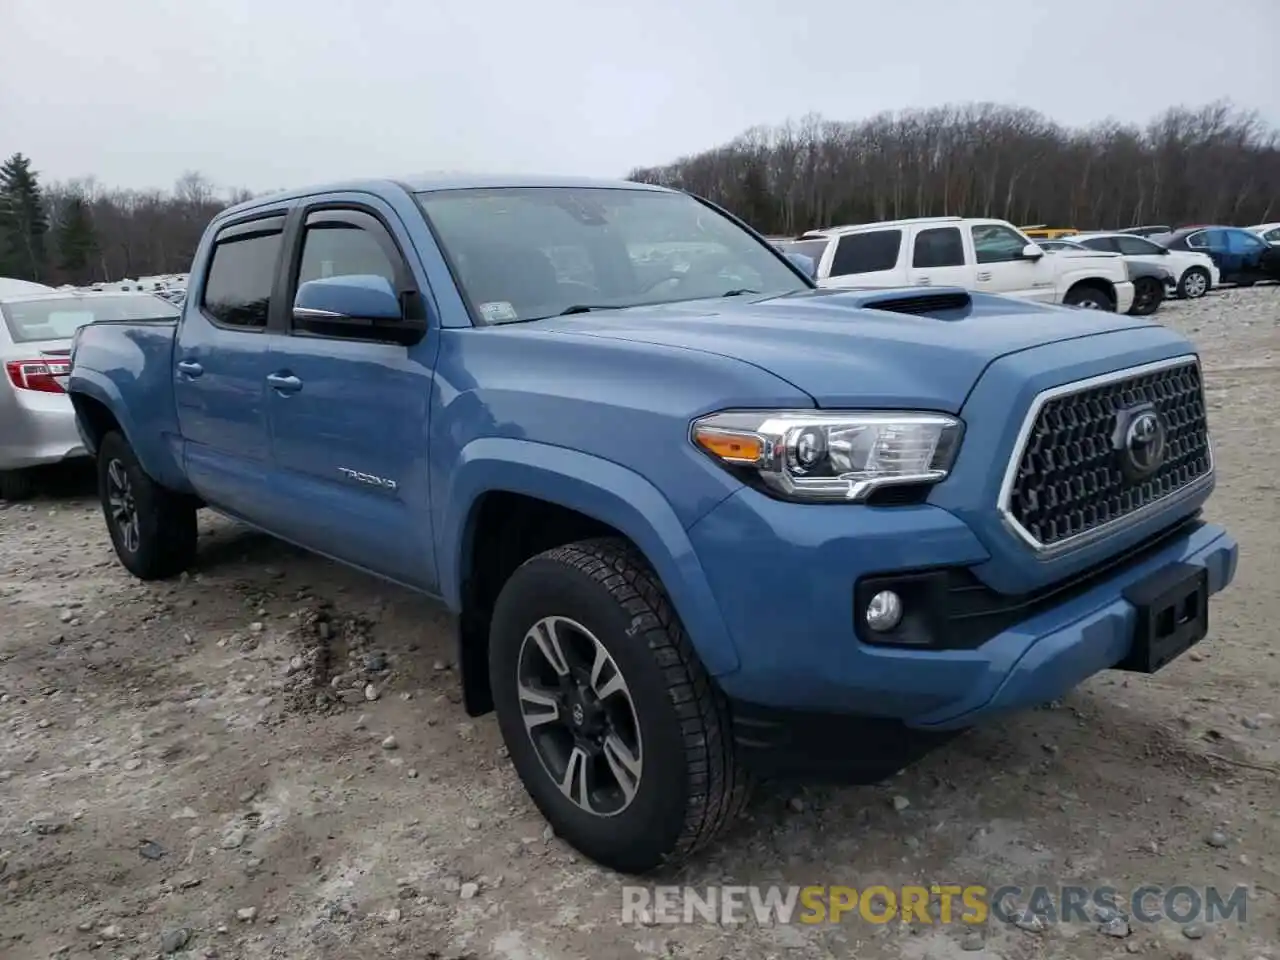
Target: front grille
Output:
{"points": [[1072, 477]]}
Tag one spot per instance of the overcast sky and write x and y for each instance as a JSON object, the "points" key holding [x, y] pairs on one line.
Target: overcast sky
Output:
{"points": [[275, 93]]}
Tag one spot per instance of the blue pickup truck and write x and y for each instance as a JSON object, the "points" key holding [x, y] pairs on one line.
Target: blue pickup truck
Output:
{"points": [[699, 520]]}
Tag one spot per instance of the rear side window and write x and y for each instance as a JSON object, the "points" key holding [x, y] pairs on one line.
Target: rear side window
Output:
{"points": [[242, 272], [1104, 244], [866, 252], [938, 247], [1136, 246]]}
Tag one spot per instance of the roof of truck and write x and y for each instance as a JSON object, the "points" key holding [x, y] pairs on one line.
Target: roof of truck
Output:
{"points": [[441, 181]]}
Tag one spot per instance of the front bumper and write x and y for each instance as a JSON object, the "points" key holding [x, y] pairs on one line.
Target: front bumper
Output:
{"points": [[784, 577], [1124, 296], [37, 429]]}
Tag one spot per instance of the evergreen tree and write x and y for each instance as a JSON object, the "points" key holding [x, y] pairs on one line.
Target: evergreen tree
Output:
{"points": [[23, 223], [77, 240]]}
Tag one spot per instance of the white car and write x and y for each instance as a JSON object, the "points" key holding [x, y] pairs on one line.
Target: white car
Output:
{"points": [[1195, 274], [986, 256], [1269, 232]]}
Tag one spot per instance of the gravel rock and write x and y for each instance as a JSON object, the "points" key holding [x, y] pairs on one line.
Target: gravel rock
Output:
{"points": [[171, 941]]}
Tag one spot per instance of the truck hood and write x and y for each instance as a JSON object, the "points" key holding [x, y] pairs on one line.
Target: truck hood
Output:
{"points": [[832, 345]]}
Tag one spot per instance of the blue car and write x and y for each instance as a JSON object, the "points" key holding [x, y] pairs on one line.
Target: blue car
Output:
{"points": [[1243, 258]]}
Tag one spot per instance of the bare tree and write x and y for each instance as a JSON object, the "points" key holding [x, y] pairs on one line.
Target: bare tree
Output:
{"points": [[1211, 163]]}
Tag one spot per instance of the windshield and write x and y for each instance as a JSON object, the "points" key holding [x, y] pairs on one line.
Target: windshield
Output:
{"points": [[529, 253], [59, 318]]}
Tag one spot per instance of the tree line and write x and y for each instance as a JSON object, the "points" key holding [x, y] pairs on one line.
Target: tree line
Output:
{"points": [[81, 231], [1210, 164]]}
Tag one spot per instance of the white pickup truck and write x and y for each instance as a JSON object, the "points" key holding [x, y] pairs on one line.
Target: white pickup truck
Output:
{"points": [[990, 256]]}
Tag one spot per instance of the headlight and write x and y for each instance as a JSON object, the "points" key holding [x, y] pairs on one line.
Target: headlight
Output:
{"points": [[832, 455]]}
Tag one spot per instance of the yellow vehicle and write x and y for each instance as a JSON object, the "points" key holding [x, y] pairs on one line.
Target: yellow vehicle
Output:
{"points": [[1041, 232]]}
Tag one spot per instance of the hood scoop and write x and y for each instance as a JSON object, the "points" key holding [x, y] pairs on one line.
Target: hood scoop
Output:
{"points": [[940, 303]]}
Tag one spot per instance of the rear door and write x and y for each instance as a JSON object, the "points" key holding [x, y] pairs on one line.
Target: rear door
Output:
{"points": [[939, 259], [220, 362], [349, 416], [871, 258], [1001, 267]]}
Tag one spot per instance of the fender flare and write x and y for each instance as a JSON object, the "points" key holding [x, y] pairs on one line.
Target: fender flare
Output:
{"points": [[159, 460], [96, 386], [601, 489]]}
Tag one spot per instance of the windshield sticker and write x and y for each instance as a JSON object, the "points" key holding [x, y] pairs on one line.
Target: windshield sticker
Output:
{"points": [[498, 311]]}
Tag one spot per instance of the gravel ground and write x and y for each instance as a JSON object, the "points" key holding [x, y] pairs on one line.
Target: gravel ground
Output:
{"points": [[169, 785]]}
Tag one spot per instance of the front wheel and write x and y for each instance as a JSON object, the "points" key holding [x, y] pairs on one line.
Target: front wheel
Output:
{"points": [[1194, 283], [1148, 294], [1089, 298], [609, 717], [152, 528]]}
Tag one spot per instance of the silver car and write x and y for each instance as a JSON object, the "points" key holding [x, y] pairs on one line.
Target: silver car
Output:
{"points": [[37, 422]]}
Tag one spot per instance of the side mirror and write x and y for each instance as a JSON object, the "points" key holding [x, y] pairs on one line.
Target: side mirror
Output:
{"points": [[804, 263], [359, 306], [1032, 252]]}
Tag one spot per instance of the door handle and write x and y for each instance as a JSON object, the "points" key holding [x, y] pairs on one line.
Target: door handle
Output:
{"points": [[984, 275], [190, 368], [284, 382]]}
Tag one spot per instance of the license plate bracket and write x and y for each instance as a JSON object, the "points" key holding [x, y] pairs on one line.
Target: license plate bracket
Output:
{"points": [[1171, 616]]}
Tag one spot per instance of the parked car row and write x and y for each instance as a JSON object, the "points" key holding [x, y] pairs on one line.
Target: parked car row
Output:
{"points": [[988, 256], [993, 256]]}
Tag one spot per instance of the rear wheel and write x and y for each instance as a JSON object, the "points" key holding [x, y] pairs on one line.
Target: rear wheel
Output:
{"points": [[152, 528], [1088, 297], [1193, 284], [611, 721], [16, 485]]}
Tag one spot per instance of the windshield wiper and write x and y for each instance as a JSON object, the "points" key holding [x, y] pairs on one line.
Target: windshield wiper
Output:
{"points": [[739, 292]]}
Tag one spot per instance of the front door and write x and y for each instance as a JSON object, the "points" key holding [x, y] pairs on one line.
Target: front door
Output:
{"points": [[349, 417], [1001, 267], [220, 362]]}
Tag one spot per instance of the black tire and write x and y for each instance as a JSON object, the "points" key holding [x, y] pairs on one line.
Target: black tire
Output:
{"points": [[1148, 294], [163, 541], [17, 485], [1194, 283], [690, 785], [1090, 297]]}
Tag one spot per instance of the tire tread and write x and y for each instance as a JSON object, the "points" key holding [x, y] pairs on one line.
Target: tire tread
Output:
{"points": [[719, 786]]}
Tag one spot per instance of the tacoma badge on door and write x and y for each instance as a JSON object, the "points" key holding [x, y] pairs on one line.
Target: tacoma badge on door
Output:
{"points": [[368, 478]]}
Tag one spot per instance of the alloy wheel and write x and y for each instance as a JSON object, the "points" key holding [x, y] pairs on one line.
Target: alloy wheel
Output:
{"points": [[122, 506], [580, 716], [1195, 285]]}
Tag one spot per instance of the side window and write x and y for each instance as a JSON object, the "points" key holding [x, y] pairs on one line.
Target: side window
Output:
{"points": [[1198, 241], [242, 272], [1136, 246], [866, 252], [995, 243], [333, 248], [938, 247], [1103, 244]]}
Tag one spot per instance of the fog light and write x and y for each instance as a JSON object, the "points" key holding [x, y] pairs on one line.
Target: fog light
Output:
{"points": [[884, 612]]}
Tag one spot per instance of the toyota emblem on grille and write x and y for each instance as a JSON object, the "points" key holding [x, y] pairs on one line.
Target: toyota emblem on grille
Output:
{"points": [[1140, 440]]}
